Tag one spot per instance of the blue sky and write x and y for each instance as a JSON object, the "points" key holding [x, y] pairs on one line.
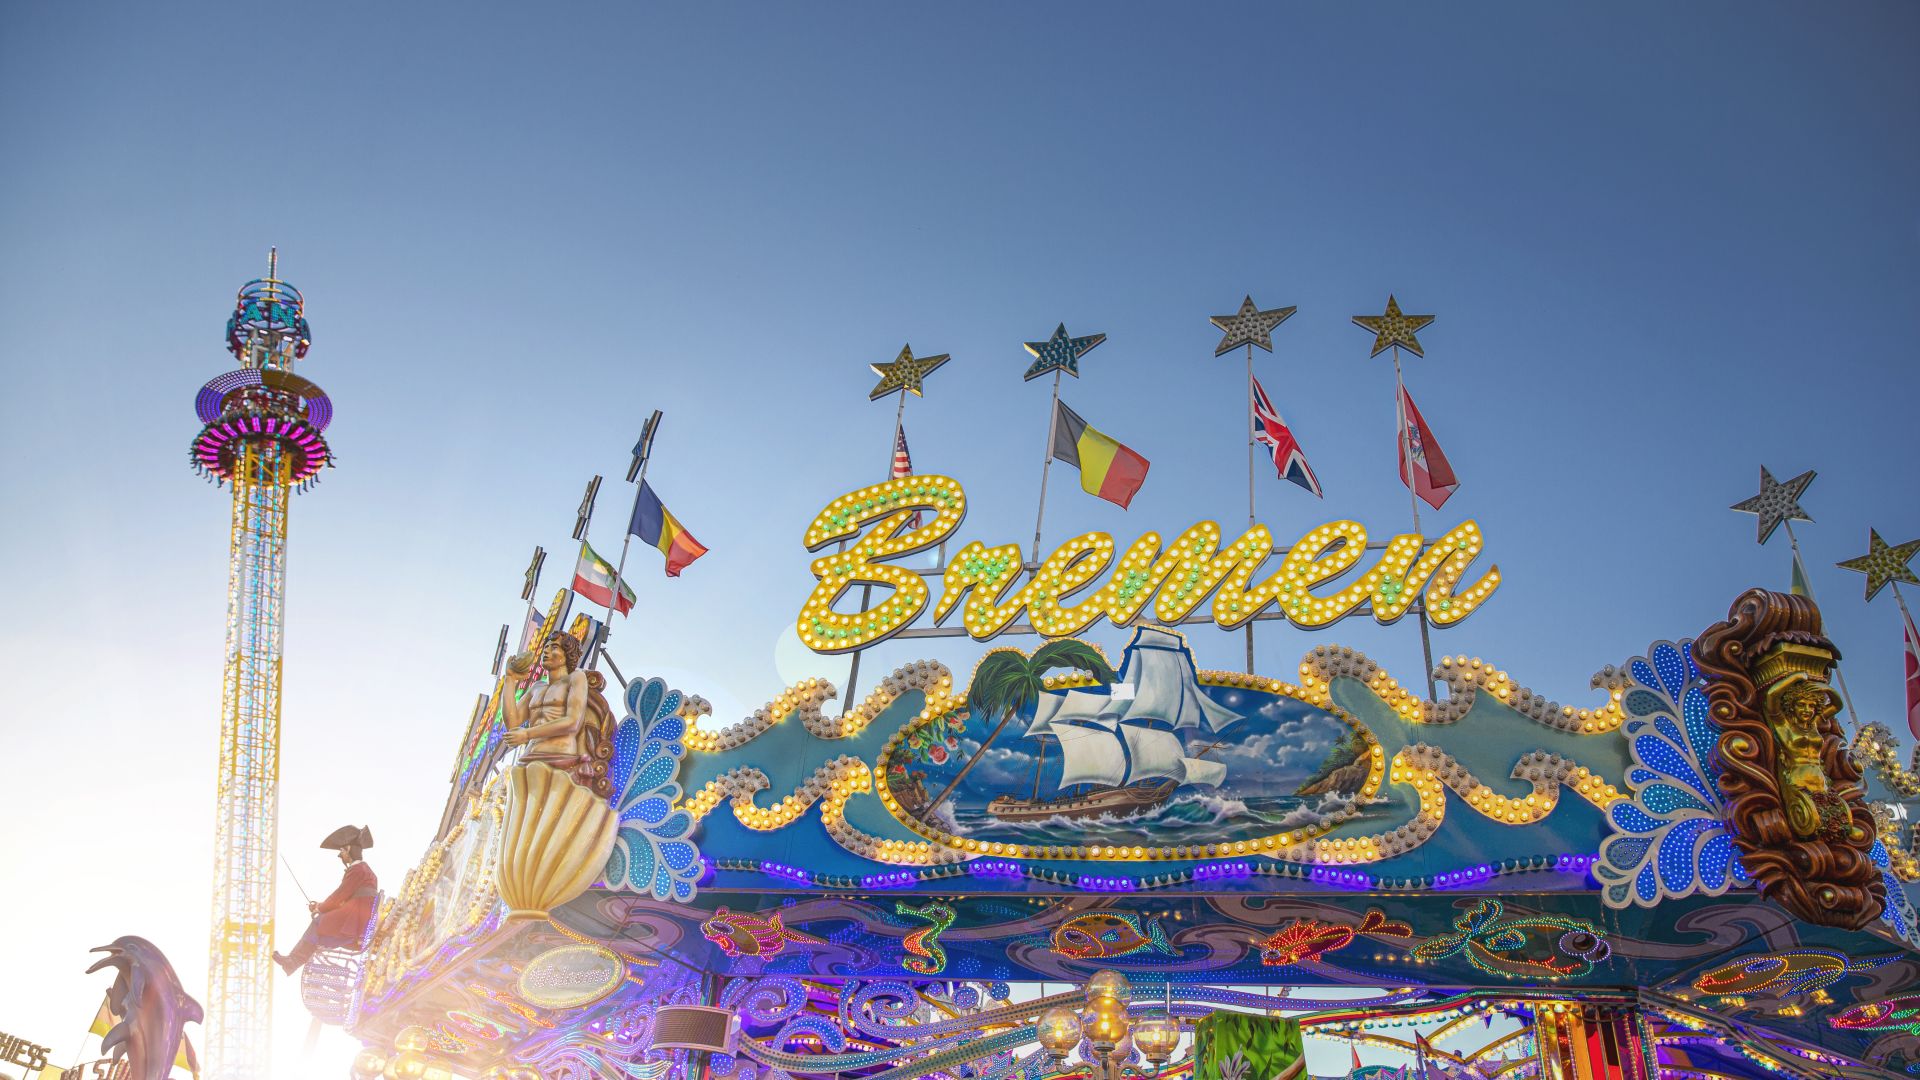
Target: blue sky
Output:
{"points": [[1664, 244]]}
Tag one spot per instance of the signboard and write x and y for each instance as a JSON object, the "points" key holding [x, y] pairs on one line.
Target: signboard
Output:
{"points": [[1175, 577], [17, 1051]]}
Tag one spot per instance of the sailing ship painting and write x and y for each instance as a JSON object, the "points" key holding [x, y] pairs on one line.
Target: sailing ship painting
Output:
{"points": [[1153, 751]]}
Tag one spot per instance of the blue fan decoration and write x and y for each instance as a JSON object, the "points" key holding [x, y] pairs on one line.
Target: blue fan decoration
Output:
{"points": [[1671, 839], [652, 853], [1898, 912]]}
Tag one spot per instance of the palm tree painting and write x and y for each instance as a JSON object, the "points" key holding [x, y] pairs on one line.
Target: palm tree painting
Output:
{"points": [[1010, 683]]}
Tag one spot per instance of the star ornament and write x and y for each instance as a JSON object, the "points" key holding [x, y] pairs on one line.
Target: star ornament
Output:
{"points": [[1248, 326], [1060, 353], [1777, 502], [1394, 328], [1884, 562], [904, 372]]}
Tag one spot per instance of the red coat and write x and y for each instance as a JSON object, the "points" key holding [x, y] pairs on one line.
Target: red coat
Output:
{"points": [[344, 914]]}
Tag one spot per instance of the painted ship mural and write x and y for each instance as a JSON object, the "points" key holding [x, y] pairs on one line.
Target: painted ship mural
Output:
{"points": [[1124, 751], [1155, 752]]}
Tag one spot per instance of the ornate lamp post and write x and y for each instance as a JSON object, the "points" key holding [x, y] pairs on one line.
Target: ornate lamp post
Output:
{"points": [[1107, 1028]]}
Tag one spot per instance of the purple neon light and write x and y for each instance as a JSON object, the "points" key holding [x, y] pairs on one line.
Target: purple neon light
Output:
{"points": [[319, 412]]}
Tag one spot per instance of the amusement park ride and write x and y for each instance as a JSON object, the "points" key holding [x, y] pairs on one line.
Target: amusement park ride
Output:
{"points": [[261, 437], [1693, 873]]}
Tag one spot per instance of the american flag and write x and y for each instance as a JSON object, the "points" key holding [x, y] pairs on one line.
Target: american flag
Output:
{"points": [[903, 466], [1270, 431]]}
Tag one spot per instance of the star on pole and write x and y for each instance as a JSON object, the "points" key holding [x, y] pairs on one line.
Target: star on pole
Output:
{"points": [[904, 372], [1248, 326], [1884, 562], [1393, 328], [1060, 353], [1777, 502]]}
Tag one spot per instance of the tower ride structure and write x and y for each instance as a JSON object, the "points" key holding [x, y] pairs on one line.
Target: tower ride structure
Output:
{"points": [[261, 435]]}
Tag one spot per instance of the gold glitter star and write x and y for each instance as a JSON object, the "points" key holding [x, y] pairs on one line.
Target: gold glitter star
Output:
{"points": [[1393, 328], [1884, 562], [1248, 326], [904, 372]]}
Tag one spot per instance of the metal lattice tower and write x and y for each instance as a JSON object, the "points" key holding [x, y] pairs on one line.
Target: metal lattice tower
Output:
{"points": [[261, 436]]}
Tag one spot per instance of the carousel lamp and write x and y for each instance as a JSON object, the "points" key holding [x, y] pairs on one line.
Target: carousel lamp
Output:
{"points": [[1059, 1032], [1106, 1024], [1107, 983], [1156, 1038]]}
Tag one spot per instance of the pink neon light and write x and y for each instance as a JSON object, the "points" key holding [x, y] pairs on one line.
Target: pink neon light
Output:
{"points": [[228, 428]]}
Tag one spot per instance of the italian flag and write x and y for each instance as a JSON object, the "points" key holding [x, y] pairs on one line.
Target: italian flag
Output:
{"points": [[593, 579], [1107, 468]]}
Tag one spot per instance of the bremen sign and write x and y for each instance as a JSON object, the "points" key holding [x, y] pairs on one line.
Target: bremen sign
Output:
{"points": [[1176, 578]]}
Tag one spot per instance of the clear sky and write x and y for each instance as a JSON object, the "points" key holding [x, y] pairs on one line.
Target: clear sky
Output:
{"points": [[1665, 245]]}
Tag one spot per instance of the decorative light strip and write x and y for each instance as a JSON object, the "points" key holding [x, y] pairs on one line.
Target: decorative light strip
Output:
{"points": [[1467, 677], [805, 698], [1346, 879]]}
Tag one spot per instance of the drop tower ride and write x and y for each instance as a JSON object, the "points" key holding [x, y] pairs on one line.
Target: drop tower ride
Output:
{"points": [[260, 436]]}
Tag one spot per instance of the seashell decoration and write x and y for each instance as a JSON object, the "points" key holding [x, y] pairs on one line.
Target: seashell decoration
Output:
{"points": [[558, 836]]}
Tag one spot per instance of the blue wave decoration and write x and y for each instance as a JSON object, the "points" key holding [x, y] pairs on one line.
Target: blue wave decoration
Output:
{"points": [[652, 853], [1671, 839]]}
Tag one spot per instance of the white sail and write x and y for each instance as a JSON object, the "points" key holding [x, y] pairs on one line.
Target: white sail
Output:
{"points": [[1166, 686], [1043, 713], [1157, 754], [1203, 772], [1090, 755], [1083, 707]]}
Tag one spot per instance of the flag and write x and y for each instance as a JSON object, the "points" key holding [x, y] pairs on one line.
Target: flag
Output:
{"points": [[1432, 478], [1107, 468], [1913, 674], [654, 525], [593, 579], [103, 1019], [1270, 431], [531, 630], [1800, 586], [903, 466], [1355, 1051]]}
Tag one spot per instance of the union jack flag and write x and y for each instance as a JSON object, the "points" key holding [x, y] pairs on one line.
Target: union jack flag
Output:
{"points": [[903, 466], [1273, 433]]}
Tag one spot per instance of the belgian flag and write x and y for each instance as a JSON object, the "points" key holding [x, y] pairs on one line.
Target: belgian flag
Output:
{"points": [[1107, 468]]}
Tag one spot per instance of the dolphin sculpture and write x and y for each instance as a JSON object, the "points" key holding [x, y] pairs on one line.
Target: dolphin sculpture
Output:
{"points": [[150, 1007]]}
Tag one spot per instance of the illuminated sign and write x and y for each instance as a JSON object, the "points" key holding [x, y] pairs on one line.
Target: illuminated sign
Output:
{"points": [[1176, 578], [18, 1051]]}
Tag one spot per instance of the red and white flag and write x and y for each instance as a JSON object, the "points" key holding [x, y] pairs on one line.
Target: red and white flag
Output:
{"points": [[1432, 478], [903, 466], [1913, 675], [1270, 431]]}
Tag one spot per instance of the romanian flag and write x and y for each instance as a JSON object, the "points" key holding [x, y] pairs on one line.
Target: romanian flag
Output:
{"points": [[654, 525], [1107, 469], [593, 578]]}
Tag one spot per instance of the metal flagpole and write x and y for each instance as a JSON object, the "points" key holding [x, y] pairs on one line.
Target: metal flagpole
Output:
{"points": [[866, 591], [532, 584], [643, 450], [1853, 717], [1413, 494], [613, 597], [1046, 464], [1251, 423], [1897, 598]]}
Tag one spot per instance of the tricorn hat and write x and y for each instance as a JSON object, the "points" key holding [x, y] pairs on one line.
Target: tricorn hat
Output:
{"points": [[356, 835]]}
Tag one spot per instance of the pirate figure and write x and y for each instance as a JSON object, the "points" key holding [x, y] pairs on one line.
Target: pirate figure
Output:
{"points": [[340, 919]]}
